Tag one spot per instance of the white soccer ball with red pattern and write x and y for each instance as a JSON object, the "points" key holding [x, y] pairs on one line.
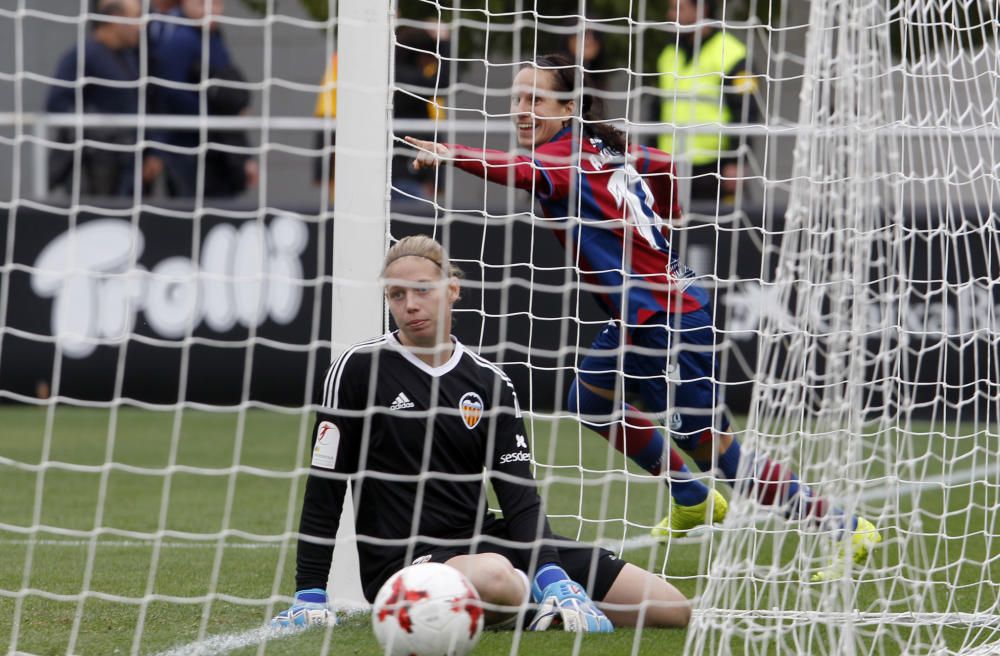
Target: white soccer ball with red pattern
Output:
{"points": [[427, 610]]}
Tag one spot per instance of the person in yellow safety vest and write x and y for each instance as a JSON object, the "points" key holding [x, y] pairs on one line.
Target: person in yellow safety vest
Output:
{"points": [[421, 75], [326, 107], [705, 80]]}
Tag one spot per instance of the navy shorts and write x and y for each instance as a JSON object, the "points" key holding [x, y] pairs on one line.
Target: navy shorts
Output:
{"points": [[681, 388]]}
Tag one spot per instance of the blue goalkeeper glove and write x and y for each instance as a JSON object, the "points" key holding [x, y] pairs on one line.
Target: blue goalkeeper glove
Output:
{"points": [[308, 610], [561, 601]]}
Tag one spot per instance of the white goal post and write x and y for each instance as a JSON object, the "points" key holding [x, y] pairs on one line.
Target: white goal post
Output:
{"points": [[361, 216]]}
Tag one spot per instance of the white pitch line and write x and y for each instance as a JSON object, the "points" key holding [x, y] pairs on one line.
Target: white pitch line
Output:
{"points": [[877, 494], [222, 644], [140, 543], [961, 476], [990, 649], [225, 643], [219, 645], [639, 542]]}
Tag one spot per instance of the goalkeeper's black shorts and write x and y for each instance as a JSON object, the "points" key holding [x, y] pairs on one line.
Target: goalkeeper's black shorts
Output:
{"points": [[592, 567]]}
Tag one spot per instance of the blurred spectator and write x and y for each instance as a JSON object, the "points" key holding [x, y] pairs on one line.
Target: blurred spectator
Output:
{"points": [[705, 79], [593, 46], [421, 73], [416, 74], [326, 107], [156, 33], [178, 56], [596, 74], [156, 29], [109, 53]]}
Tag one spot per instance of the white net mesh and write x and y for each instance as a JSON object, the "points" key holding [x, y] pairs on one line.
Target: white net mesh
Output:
{"points": [[873, 375], [158, 355]]}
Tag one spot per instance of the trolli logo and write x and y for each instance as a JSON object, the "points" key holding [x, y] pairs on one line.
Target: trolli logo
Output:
{"points": [[244, 276]]}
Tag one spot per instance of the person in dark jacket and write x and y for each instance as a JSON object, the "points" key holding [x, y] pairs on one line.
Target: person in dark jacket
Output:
{"points": [[177, 57], [422, 76], [110, 59]]}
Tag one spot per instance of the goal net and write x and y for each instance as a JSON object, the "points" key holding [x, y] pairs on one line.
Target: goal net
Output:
{"points": [[876, 368], [160, 349]]}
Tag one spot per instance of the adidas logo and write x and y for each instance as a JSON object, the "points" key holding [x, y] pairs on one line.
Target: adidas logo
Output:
{"points": [[401, 402]]}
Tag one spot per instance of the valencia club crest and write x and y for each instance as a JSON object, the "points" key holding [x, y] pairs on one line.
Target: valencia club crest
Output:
{"points": [[471, 408]]}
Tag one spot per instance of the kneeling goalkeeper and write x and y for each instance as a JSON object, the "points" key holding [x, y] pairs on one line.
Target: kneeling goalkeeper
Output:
{"points": [[412, 418]]}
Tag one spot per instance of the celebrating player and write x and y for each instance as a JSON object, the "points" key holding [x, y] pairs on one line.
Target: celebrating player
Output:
{"points": [[618, 203], [412, 418]]}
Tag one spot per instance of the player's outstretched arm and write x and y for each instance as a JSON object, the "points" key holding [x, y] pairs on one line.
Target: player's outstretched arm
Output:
{"points": [[497, 166], [561, 601], [429, 153], [309, 609]]}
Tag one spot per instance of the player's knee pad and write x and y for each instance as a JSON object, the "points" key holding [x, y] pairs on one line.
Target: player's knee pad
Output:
{"points": [[581, 400]]}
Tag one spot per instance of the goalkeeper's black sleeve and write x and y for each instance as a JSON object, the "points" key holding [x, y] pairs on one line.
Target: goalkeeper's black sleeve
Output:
{"points": [[321, 510], [335, 445]]}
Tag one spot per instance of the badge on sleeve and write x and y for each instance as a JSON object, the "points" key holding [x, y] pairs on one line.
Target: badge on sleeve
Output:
{"points": [[327, 443]]}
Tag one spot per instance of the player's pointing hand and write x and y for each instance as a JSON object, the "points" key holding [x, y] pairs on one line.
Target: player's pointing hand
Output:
{"points": [[429, 153]]}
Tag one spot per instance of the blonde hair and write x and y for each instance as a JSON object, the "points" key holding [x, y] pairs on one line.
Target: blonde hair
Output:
{"points": [[425, 247]]}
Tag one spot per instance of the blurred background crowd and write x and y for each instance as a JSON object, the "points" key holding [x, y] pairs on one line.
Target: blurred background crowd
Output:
{"points": [[195, 59]]}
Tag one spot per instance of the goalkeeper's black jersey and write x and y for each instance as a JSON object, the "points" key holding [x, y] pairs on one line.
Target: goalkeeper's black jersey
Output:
{"points": [[414, 441]]}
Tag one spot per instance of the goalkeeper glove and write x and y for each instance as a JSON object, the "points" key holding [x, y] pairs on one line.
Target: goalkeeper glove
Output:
{"points": [[309, 609], [561, 601]]}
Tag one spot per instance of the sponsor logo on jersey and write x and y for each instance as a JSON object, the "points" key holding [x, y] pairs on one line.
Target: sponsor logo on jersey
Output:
{"points": [[517, 456], [422, 559], [675, 421], [681, 276], [327, 444], [401, 402], [471, 406]]}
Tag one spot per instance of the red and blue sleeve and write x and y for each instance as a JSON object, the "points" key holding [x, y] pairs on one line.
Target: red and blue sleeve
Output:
{"points": [[501, 167]]}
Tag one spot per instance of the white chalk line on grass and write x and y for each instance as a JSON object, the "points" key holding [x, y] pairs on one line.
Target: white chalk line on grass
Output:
{"points": [[225, 643], [140, 543], [640, 542], [876, 494], [220, 645]]}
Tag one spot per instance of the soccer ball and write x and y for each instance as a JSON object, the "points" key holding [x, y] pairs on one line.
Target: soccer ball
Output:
{"points": [[427, 610]]}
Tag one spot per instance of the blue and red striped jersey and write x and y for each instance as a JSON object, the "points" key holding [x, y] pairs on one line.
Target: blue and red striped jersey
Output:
{"points": [[619, 209]]}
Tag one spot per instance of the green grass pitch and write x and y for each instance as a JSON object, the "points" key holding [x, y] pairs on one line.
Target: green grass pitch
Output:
{"points": [[258, 504]]}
